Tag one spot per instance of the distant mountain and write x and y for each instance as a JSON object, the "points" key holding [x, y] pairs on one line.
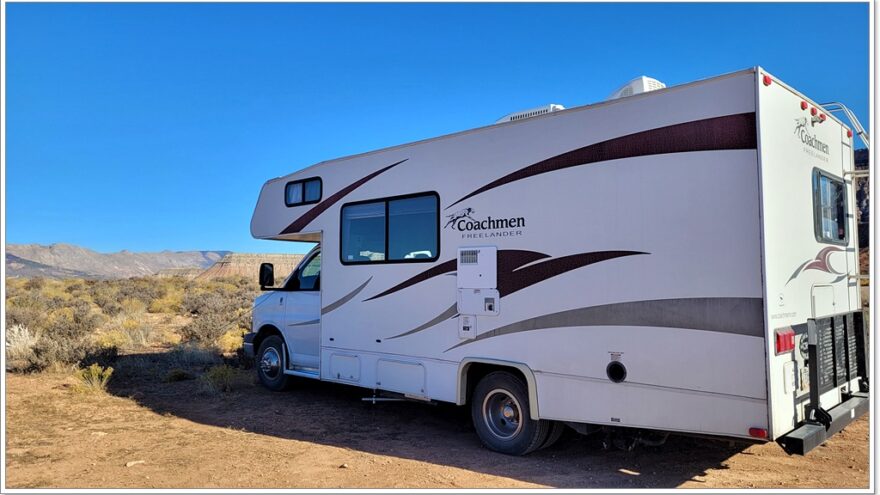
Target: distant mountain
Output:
{"points": [[67, 260], [19, 267]]}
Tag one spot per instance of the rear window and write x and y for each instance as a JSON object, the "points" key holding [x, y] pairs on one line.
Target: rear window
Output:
{"points": [[829, 208]]}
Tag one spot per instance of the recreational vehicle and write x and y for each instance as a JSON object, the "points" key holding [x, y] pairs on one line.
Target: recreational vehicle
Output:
{"points": [[681, 259]]}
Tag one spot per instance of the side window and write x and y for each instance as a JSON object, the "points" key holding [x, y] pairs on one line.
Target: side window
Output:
{"points": [[302, 192], [412, 228], [310, 275], [829, 209], [363, 232], [399, 230]]}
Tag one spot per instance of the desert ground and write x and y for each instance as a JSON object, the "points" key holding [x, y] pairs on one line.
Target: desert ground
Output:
{"points": [[147, 433], [182, 409]]}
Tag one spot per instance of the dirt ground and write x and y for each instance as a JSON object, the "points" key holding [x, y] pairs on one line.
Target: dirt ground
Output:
{"points": [[320, 435]]}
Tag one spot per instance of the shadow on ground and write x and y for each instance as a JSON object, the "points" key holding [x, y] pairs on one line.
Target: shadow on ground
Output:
{"points": [[331, 414]]}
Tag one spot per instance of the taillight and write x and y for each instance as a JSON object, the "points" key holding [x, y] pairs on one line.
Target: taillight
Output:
{"points": [[758, 432], [784, 340], [804, 105]]}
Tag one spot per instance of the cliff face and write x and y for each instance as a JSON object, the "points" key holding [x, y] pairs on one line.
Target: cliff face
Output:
{"points": [[248, 265]]}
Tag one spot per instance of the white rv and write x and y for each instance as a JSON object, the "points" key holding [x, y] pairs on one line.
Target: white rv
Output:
{"points": [[679, 260]]}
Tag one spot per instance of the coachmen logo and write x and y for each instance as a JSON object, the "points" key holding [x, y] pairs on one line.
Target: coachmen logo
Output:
{"points": [[473, 227], [801, 130]]}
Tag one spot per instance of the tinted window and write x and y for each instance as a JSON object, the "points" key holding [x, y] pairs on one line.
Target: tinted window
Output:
{"points": [[412, 228], [302, 192], [310, 274], [294, 193], [829, 202], [313, 191], [403, 229], [363, 232]]}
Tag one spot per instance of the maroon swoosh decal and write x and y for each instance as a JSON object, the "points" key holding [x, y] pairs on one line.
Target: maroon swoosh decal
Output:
{"points": [[508, 260], [510, 281], [730, 132], [319, 208]]}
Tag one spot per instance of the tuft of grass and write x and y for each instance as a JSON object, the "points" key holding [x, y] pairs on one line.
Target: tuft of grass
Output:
{"points": [[217, 380], [178, 375], [94, 379]]}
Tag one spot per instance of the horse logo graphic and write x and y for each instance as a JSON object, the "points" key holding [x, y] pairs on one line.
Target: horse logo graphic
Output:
{"points": [[463, 213], [820, 263], [801, 125]]}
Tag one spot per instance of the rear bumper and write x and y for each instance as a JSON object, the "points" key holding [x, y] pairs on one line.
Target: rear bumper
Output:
{"points": [[248, 346], [811, 435]]}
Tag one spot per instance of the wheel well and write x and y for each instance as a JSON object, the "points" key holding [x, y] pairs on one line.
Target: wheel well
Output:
{"points": [[262, 333], [473, 371]]}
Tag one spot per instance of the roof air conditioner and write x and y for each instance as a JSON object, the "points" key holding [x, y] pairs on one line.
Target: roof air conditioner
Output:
{"points": [[641, 84]]}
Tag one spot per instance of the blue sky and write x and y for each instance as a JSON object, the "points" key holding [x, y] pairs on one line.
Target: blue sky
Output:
{"points": [[153, 126]]}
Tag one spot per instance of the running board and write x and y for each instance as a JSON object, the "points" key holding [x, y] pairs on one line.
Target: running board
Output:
{"points": [[312, 373]]}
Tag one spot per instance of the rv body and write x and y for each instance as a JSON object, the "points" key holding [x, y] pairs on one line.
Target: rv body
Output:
{"points": [[658, 262]]}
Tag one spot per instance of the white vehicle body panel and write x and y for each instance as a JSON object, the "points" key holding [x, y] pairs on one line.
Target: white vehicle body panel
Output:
{"points": [[663, 257]]}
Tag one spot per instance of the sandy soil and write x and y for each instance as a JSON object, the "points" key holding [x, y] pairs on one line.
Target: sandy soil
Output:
{"points": [[323, 435]]}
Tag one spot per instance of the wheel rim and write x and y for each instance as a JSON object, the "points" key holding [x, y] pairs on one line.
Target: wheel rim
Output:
{"points": [[502, 414], [270, 363]]}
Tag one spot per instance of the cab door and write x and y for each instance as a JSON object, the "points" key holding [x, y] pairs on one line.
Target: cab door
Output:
{"points": [[302, 327]]}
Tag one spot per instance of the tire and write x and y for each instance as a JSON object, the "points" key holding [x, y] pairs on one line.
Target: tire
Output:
{"points": [[270, 364], [557, 428], [500, 412]]}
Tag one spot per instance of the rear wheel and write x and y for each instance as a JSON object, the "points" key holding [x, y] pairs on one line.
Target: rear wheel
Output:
{"points": [[557, 428], [500, 411], [270, 364]]}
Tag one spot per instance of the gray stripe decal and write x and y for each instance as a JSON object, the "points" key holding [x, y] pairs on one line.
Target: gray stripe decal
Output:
{"points": [[301, 323], [736, 315], [449, 313], [345, 299]]}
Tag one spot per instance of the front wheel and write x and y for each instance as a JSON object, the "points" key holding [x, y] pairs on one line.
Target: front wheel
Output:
{"points": [[500, 411], [270, 364]]}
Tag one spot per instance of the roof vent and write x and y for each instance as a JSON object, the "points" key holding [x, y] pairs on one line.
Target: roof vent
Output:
{"points": [[638, 85], [533, 112]]}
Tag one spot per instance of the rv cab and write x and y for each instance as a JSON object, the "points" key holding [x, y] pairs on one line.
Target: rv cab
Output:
{"points": [[294, 310]]}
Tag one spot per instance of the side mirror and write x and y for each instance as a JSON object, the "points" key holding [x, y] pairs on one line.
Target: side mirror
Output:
{"points": [[267, 275]]}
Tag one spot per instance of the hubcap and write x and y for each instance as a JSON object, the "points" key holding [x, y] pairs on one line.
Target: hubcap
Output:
{"points": [[502, 414], [270, 363]]}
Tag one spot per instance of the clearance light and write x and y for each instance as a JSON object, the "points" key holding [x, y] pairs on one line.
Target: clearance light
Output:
{"points": [[804, 105], [767, 80], [813, 111], [758, 432], [784, 340], [822, 117], [848, 133]]}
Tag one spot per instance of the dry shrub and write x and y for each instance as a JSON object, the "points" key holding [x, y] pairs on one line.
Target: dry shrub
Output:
{"points": [[207, 328], [231, 341], [68, 338], [93, 379], [170, 303], [178, 375], [20, 342], [217, 380], [126, 331], [191, 356], [133, 306]]}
